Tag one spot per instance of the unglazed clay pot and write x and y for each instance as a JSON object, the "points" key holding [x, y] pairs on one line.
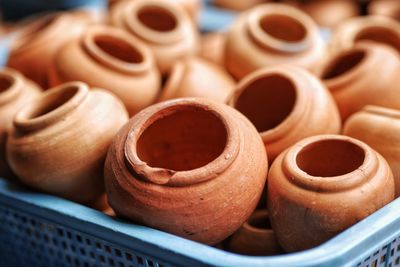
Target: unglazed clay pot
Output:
{"points": [[213, 47], [15, 91], [379, 127], [196, 77], [367, 74], [286, 104], [60, 141], [33, 51], [239, 5], [192, 167], [111, 59], [255, 237], [323, 185], [388, 8], [272, 34], [164, 26], [368, 28]]}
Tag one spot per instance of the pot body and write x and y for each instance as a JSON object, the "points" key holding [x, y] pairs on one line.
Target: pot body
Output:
{"points": [[59, 141], [184, 166], [213, 47]]}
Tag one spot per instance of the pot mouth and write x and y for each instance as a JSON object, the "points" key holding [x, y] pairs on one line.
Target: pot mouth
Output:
{"points": [[344, 64], [379, 34], [10, 85], [259, 221]]}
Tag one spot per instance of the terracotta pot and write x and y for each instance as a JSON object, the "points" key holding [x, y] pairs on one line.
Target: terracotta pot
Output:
{"points": [[15, 91], [239, 5], [357, 78], [60, 141], [33, 51], [272, 34], [286, 104], [255, 237], [164, 26], [368, 28], [387, 8], [379, 127], [111, 59], [192, 167], [323, 185], [195, 77], [213, 47]]}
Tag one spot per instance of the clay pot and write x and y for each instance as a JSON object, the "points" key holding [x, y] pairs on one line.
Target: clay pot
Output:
{"points": [[15, 91], [323, 185], [213, 47], [192, 167], [255, 237], [239, 5], [387, 8], [195, 77], [368, 28], [111, 59], [60, 141], [357, 78], [34, 49], [286, 104], [164, 26], [379, 127], [272, 34]]}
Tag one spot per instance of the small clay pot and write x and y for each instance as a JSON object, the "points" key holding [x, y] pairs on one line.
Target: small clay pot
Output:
{"points": [[379, 127], [196, 77], [33, 51], [164, 26], [192, 167], [368, 28], [213, 47], [321, 186], [387, 8], [59, 142], [111, 59], [357, 77], [15, 91], [255, 237], [239, 5], [286, 104], [272, 34]]}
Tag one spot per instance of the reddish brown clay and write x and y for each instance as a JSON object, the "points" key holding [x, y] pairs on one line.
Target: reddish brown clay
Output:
{"points": [[195, 77], [387, 8], [192, 167], [60, 141], [255, 237], [15, 91], [239, 5], [357, 77], [272, 34], [286, 104], [323, 185], [164, 26], [213, 47], [379, 127], [33, 51], [111, 59]]}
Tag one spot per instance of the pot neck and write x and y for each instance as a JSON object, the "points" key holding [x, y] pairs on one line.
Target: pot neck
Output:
{"points": [[11, 85]]}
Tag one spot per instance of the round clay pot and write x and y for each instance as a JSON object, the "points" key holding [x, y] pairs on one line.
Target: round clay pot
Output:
{"points": [[164, 26], [33, 51], [213, 47], [321, 186], [60, 141], [192, 167], [286, 104], [357, 77], [255, 237], [387, 8], [111, 59], [15, 91], [196, 77], [368, 28], [379, 127], [239, 5], [272, 34]]}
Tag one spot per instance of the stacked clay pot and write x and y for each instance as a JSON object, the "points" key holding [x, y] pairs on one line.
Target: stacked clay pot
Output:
{"points": [[321, 186], [286, 104], [59, 141], [163, 25], [15, 92], [191, 167], [111, 59], [388, 8], [272, 34]]}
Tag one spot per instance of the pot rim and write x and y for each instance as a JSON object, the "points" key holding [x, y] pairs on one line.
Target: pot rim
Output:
{"points": [[174, 79], [382, 111], [16, 84], [258, 214]]}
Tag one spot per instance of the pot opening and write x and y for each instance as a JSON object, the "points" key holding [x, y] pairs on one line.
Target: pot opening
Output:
{"points": [[283, 27], [118, 49], [6, 82], [267, 101], [329, 158], [157, 18], [189, 138], [260, 222], [380, 35], [343, 64]]}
